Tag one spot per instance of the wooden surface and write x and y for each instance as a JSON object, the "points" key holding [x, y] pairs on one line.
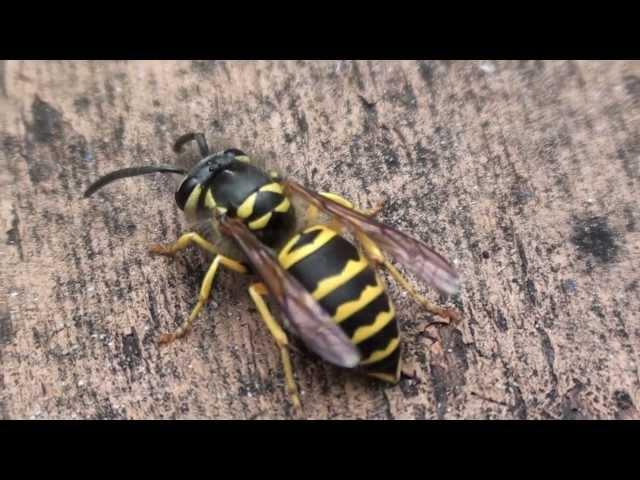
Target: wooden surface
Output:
{"points": [[525, 174]]}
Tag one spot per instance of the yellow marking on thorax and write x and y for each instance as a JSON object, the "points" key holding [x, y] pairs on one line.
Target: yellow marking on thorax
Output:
{"points": [[209, 201], [192, 202], [381, 354], [367, 331], [328, 285], [283, 206], [260, 222], [246, 208], [243, 158], [288, 258], [369, 294], [272, 187]]}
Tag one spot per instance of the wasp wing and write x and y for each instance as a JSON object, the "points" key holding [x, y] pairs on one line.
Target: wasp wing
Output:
{"points": [[414, 254], [307, 318]]}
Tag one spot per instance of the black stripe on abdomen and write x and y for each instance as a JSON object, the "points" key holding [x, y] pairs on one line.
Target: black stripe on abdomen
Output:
{"points": [[365, 316], [380, 340], [388, 365]]}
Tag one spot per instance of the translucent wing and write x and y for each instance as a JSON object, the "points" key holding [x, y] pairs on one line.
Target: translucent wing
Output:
{"points": [[307, 318], [412, 253]]}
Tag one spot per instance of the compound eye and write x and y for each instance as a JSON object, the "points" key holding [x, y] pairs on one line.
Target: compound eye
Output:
{"points": [[235, 152], [184, 191]]}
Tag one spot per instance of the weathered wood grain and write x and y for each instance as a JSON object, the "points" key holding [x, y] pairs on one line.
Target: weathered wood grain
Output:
{"points": [[526, 174]]}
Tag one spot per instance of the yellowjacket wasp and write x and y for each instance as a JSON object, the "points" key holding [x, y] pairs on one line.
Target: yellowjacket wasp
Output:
{"points": [[327, 288]]}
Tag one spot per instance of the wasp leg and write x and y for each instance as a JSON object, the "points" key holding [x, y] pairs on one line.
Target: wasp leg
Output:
{"points": [[257, 292], [373, 252], [205, 291], [371, 212], [183, 242], [449, 314]]}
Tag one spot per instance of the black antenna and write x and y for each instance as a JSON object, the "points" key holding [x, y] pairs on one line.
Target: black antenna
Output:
{"points": [[130, 172], [190, 137]]}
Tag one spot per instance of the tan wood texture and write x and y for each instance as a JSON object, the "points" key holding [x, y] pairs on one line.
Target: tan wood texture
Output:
{"points": [[525, 174]]}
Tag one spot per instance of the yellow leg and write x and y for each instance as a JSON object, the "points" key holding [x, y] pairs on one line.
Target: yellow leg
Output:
{"points": [[183, 242], [257, 292], [372, 212], [373, 252], [449, 314], [205, 291]]}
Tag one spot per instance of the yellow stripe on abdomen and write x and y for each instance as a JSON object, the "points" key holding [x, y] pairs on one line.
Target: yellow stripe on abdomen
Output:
{"points": [[387, 377], [288, 258], [367, 331], [368, 295], [328, 285], [381, 354]]}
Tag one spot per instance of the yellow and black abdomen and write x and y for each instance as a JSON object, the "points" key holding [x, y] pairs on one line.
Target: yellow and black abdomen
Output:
{"points": [[348, 288]]}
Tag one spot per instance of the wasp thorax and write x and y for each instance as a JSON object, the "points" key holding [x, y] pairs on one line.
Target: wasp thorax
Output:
{"points": [[218, 181]]}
